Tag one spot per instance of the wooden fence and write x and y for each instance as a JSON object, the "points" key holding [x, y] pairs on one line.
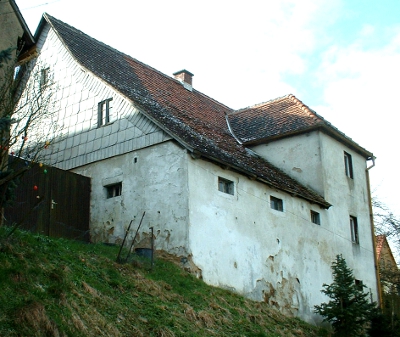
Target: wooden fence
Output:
{"points": [[52, 202]]}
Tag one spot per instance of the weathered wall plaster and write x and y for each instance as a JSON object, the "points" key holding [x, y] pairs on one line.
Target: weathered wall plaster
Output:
{"points": [[240, 243], [153, 180]]}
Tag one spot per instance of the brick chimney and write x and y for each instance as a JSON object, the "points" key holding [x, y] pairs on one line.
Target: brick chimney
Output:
{"points": [[185, 77]]}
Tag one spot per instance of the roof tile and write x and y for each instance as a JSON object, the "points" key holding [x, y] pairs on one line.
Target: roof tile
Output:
{"points": [[194, 119]]}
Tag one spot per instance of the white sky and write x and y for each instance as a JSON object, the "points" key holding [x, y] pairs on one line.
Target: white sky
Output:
{"points": [[340, 57]]}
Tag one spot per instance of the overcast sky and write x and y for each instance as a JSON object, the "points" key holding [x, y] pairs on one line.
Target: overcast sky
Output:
{"points": [[340, 57]]}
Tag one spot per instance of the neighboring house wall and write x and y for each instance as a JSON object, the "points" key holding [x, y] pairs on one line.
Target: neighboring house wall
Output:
{"points": [[240, 243], [13, 32], [10, 27]]}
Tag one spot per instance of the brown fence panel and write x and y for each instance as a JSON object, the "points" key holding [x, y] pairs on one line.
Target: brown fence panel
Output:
{"points": [[52, 202], [69, 205]]}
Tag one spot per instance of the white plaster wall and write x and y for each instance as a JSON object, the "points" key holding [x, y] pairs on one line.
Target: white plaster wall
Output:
{"points": [[299, 156], [240, 243], [317, 160], [349, 197], [154, 180]]}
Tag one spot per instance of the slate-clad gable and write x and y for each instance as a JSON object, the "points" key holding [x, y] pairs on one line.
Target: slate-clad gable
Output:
{"points": [[193, 119]]}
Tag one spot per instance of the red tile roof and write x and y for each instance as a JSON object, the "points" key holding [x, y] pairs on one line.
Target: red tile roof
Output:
{"points": [[379, 239], [282, 117], [195, 120]]}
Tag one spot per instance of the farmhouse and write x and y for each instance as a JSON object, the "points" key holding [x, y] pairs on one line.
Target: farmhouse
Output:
{"points": [[259, 200]]}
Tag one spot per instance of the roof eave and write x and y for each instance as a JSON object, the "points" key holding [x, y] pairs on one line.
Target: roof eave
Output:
{"points": [[198, 154]]}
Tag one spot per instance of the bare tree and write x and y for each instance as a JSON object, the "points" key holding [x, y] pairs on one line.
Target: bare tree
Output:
{"points": [[387, 223], [26, 121]]}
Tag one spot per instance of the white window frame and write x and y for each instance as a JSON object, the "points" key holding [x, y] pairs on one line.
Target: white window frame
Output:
{"points": [[355, 235], [113, 190], [104, 112], [348, 165]]}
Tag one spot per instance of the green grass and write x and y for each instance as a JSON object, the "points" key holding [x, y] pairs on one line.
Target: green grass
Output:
{"points": [[57, 287]]}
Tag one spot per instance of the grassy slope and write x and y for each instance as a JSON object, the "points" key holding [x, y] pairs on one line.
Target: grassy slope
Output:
{"points": [[63, 288]]}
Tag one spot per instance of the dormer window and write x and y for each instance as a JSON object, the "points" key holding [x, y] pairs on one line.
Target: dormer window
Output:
{"points": [[104, 112]]}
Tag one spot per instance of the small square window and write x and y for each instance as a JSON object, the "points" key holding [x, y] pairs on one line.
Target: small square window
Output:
{"points": [[315, 218], [354, 229], [104, 112], [225, 186], [276, 203], [348, 165], [114, 190], [359, 285]]}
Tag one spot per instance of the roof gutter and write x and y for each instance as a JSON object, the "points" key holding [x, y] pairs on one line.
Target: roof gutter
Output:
{"points": [[373, 162]]}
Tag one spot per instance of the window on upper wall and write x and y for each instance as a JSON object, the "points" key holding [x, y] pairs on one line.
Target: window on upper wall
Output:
{"points": [[348, 165], [225, 185], [114, 190], [276, 203], [104, 112], [315, 217], [354, 229], [44, 77]]}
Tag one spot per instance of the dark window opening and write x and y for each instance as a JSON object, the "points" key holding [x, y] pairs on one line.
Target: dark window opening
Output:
{"points": [[114, 190], [348, 165], [276, 203], [44, 77], [104, 112], [354, 229], [225, 186], [359, 285], [315, 218]]}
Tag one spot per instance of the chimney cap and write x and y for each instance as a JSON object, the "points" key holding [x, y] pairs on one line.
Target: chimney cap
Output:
{"points": [[182, 71]]}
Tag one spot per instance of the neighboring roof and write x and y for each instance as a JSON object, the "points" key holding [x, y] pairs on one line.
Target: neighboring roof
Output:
{"points": [[195, 120], [381, 242], [283, 117], [27, 37]]}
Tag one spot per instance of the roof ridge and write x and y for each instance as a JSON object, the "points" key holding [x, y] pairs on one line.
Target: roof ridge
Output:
{"points": [[292, 97], [261, 104]]}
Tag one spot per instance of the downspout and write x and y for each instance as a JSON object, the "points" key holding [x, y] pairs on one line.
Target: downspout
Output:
{"points": [[371, 215]]}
